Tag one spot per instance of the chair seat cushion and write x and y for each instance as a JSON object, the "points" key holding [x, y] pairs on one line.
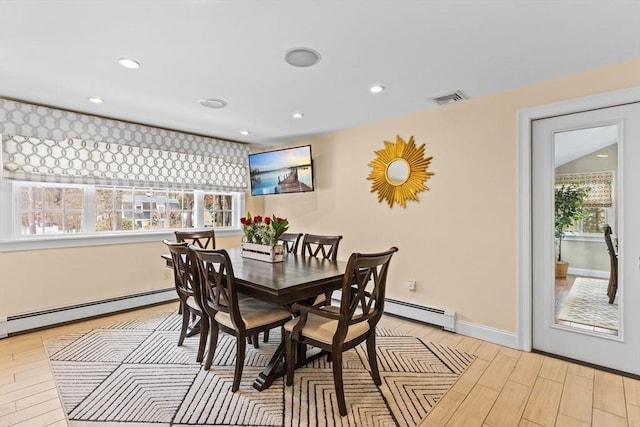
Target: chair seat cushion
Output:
{"points": [[191, 302], [255, 313], [322, 329]]}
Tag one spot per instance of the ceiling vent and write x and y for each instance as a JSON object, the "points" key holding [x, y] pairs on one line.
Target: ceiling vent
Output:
{"points": [[450, 98]]}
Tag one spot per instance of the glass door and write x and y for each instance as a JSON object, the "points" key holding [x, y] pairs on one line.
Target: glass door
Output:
{"points": [[585, 214]]}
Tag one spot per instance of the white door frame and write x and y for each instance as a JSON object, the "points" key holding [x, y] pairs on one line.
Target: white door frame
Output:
{"points": [[524, 232]]}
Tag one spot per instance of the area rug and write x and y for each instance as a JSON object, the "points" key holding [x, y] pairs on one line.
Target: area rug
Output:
{"points": [[588, 304], [134, 374]]}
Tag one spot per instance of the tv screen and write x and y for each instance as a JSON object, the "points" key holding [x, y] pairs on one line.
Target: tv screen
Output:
{"points": [[282, 171]]}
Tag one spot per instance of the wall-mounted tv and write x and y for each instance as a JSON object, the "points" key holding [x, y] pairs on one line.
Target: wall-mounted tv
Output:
{"points": [[281, 171]]}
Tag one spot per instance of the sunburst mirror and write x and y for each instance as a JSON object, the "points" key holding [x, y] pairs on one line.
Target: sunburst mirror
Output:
{"points": [[399, 172]]}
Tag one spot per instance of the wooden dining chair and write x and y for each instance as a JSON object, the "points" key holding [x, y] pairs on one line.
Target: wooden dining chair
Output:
{"points": [[337, 329], [188, 290], [241, 318], [324, 246], [205, 239], [612, 288], [291, 242], [321, 246]]}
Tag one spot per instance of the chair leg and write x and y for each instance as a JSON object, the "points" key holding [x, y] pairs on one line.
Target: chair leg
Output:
{"points": [[290, 357], [337, 381], [204, 334], [213, 344], [185, 325], [240, 351], [255, 341], [265, 337], [373, 361]]}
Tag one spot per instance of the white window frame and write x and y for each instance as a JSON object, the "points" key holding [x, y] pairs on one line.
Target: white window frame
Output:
{"points": [[10, 221]]}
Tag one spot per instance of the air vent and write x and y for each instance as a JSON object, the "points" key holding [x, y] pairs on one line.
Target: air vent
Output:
{"points": [[450, 98]]}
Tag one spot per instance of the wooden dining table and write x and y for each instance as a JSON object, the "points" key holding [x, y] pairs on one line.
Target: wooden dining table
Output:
{"points": [[296, 279]]}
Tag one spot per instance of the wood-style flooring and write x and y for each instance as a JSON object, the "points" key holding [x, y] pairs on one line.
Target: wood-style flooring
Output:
{"points": [[503, 386]]}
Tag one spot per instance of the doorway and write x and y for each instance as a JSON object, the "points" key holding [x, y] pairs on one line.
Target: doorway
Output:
{"points": [[573, 316]]}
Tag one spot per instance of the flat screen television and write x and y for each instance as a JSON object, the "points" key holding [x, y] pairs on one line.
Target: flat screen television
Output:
{"points": [[289, 170]]}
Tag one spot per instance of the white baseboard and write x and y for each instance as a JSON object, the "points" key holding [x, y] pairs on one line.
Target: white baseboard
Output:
{"points": [[48, 318], [3, 327], [487, 333], [588, 273]]}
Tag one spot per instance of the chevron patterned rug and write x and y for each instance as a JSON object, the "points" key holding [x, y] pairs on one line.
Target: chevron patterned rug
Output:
{"points": [[134, 374], [588, 304]]}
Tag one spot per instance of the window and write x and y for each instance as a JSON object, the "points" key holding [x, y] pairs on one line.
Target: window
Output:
{"points": [[594, 221], [46, 209], [599, 208], [50, 210]]}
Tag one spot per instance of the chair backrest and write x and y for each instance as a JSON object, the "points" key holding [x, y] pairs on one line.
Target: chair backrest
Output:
{"points": [[205, 239], [291, 242], [183, 271], [325, 246], [214, 268], [607, 239], [363, 288], [613, 255]]}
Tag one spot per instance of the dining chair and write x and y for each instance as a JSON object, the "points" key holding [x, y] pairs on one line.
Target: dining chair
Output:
{"points": [[205, 239], [321, 246], [291, 241], [188, 290], [325, 246], [242, 318], [612, 288], [338, 329]]}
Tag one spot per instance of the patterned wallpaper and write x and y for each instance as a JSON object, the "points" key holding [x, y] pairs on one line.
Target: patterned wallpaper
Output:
{"points": [[46, 144]]}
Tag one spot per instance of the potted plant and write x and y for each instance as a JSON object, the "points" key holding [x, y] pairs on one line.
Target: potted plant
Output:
{"points": [[569, 208]]}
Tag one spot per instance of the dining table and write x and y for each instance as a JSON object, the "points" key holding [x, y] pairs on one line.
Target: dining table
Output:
{"points": [[295, 279]]}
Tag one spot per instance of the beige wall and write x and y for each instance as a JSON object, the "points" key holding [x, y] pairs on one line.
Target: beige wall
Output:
{"points": [[459, 241], [50, 278]]}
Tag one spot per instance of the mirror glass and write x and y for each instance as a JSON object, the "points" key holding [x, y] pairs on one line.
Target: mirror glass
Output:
{"points": [[398, 172], [586, 164]]}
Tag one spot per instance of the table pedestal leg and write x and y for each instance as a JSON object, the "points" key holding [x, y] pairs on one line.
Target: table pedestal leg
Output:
{"points": [[277, 367]]}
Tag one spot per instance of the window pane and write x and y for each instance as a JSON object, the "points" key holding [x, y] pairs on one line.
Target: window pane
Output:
{"points": [[73, 198], [52, 198], [123, 209], [217, 210], [53, 223], [73, 222], [31, 197], [31, 224], [594, 220]]}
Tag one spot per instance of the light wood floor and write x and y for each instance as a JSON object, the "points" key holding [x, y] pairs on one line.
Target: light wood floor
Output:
{"points": [[503, 387]]}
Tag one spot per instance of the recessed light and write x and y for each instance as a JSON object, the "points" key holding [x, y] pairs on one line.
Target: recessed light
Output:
{"points": [[297, 115], [376, 89], [129, 63], [244, 132], [301, 57], [602, 155], [213, 103], [96, 99]]}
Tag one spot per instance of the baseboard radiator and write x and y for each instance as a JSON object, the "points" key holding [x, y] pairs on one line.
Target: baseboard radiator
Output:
{"points": [[435, 316], [43, 319]]}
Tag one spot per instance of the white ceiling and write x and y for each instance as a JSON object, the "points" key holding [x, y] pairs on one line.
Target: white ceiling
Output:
{"points": [[59, 53]]}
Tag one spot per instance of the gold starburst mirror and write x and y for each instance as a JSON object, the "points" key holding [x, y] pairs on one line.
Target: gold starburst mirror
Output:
{"points": [[399, 172]]}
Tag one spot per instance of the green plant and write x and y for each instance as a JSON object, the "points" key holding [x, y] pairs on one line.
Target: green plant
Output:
{"points": [[569, 208]]}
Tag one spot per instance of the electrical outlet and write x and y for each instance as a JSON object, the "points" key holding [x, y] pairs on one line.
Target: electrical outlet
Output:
{"points": [[411, 285]]}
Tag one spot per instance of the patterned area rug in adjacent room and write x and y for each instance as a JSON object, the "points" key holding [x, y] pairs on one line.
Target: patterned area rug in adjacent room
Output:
{"points": [[133, 374], [588, 304]]}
